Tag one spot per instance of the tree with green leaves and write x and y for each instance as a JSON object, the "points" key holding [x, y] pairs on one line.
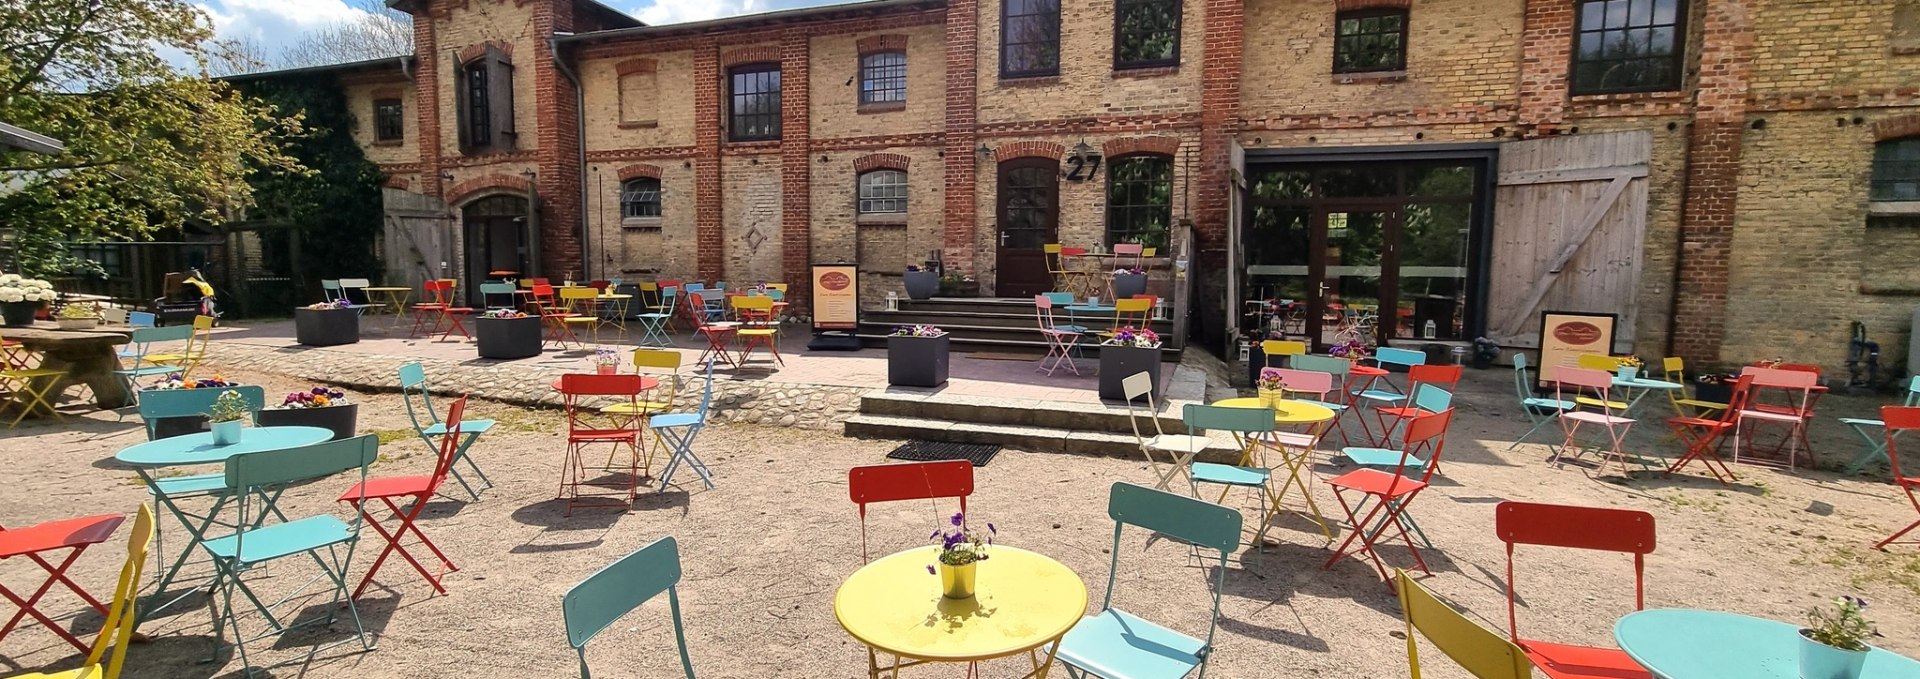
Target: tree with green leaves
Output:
{"points": [[149, 146]]}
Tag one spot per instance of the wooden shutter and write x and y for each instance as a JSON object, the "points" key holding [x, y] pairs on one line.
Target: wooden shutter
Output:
{"points": [[500, 99], [1569, 225], [459, 101]]}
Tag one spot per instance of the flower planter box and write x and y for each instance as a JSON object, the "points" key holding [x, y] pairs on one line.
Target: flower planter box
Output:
{"points": [[507, 338], [77, 323], [1117, 362], [18, 314], [1714, 393], [917, 361], [922, 284], [1126, 286], [326, 327], [343, 421]]}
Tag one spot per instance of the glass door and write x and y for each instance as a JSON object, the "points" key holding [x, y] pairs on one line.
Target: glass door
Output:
{"points": [[1355, 269]]}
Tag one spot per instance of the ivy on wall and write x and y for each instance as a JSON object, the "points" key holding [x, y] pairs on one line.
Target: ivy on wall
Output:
{"points": [[336, 211]]}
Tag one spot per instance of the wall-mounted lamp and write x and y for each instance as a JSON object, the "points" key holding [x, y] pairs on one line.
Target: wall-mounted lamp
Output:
{"points": [[984, 151], [529, 174], [1081, 150]]}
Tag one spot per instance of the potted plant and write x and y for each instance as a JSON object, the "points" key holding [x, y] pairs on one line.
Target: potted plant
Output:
{"points": [[961, 551], [507, 334], [322, 407], [921, 283], [1629, 367], [228, 415], [77, 317], [1714, 387], [917, 356], [1485, 352], [1833, 645], [21, 298], [168, 427], [1272, 388], [959, 285], [1126, 351], [326, 324], [1353, 350], [606, 361], [1129, 281]]}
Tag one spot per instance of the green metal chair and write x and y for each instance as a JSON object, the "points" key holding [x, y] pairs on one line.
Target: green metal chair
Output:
{"points": [[500, 292], [427, 424], [257, 480], [1340, 369], [1248, 426], [1118, 645], [1539, 411], [142, 341], [605, 597], [1867, 429]]}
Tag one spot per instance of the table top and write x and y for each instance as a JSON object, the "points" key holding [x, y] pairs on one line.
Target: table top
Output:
{"points": [[1647, 383], [1091, 308], [646, 383], [1285, 411], [49, 334], [1022, 600], [1679, 643], [199, 448]]}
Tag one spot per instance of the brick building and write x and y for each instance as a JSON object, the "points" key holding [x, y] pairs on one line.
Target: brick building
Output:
{"points": [[1738, 179]]}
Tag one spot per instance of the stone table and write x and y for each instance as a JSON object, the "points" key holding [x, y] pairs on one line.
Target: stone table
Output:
{"points": [[86, 356]]}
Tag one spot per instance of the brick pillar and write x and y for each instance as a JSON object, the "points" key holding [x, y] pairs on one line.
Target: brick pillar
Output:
{"points": [[962, 166], [561, 224], [708, 236], [426, 102], [1546, 44], [1713, 176], [796, 240], [1220, 68]]}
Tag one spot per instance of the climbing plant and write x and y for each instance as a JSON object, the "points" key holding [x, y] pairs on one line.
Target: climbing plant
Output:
{"points": [[335, 210]]}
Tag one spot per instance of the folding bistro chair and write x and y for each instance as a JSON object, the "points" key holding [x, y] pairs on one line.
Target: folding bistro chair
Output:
{"points": [[757, 327], [1446, 376], [583, 311], [666, 364], [117, 629], [114, 315], [1900, 419], [28, 389], [1590, 528], [330, 290], [1538, 410], [1180, 448], [354, 290], [190, 353], [1793, 417], [1061, 342], [676, 432], [1428, 397], [1684, 405], [1876, 444], [657, 318], [719, 336], [608, 595], [553, 316], [168, 492], [258, 480], [1250, 428], [1130, 312], [427, 425], [497, 296], [418, 490], [584, 431], [1600, 384], [1705, 436], [1285, 350], [427, 314], [1115, 644], [910, 481], [41, 541], [1383, 357], [1335, 399], [139, 345], [1480, 651], [1386, 495], [1422, 457]]}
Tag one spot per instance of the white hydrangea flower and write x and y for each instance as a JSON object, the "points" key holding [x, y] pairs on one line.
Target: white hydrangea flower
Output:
{"points": [[10, 278], [12, 295]]}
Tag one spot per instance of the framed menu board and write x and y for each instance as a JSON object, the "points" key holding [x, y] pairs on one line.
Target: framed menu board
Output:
{"points": [[836, 297], [1565, 335]]}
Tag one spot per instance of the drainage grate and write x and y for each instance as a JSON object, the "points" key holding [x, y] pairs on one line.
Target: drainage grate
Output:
{"points": [[930, 451]]}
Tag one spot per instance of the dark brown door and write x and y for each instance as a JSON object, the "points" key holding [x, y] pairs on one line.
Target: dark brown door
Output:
{"points": [[1029, 216]]}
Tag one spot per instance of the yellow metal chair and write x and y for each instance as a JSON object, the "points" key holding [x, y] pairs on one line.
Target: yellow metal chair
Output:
{"points": [[1481, 652], [666, 365], [195, 349], [1683, 405], [1131, 312], [1149, 252], [757, 326], [27, 388], [1284, 348], [1602, 363], [583, 303], [117, 630], [1065, 279]]}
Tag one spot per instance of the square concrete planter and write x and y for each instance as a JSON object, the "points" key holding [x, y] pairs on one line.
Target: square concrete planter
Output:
{"points": [[507, 338], [1117, 362], [343, 420], [326, 327], [917, 361]]}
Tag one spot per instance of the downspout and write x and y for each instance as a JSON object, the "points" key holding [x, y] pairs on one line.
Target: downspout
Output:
{"points": [[406, 67], [580, 129], [1679, 239]]}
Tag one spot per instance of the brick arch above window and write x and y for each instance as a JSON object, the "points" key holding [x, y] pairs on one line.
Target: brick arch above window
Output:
{"points": [[488, 184], [750, 55], [638, 170], [875, 44], [477, 50], [1030, 149], [1162, 145], [880, 161], [632, 66], [1897, 127], [401, 183], [1346, 5]]}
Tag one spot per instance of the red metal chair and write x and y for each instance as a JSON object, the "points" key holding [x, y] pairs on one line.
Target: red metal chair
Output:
{"points": [[915, 481], [451, 312], [1391, 417], [585, 429], [553, 316], [1389, 493], [1899, 419], [1705, 436], [427, 314], [419, 489], [1609, 530], [71, 534], [719, 334]]}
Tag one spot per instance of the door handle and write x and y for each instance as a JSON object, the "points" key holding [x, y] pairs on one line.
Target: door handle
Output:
{"points": [[1323, 289], [1003, 239]]}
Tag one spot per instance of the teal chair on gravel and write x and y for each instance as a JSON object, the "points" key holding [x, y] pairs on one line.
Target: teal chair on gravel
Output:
{"points": [[427, 424], [497, 296], [139, 344], [1869, 431], [1539, 411], [656, 319], [186, 403], [604, 597], [1246, 425], [1340, 369], [677, 431], [1116, 644]]}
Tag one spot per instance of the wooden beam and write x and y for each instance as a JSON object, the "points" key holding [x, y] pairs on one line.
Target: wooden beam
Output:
{"points": [[1586, 174], [1580, 232]]}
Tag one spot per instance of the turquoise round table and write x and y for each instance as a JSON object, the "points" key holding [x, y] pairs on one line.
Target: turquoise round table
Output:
{"points": [[1680, 643], [199, 448]]}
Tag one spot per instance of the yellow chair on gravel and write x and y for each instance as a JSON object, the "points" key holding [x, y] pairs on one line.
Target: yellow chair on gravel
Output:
{"points": [[665, 364], [117, 630], [1481, 652], [26, 388], [1684, 405], [190, 355], [584, 305]]}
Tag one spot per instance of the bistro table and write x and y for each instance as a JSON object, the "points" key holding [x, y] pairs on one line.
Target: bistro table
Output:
{"points": [[1290, 413], [1680, 643], [1638, 388], [395, 300], [1022, 601], [85, 356]]}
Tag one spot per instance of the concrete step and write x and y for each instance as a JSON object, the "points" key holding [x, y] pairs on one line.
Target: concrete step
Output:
{"points": [[1030, 438], [1019, 320], [1020, 412]]}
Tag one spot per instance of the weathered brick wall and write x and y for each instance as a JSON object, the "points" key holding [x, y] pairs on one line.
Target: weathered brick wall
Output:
{"points": [[1809, 46], [1460, 53], [461, 26], [836, 85], [750, 187], [1087, 84], [635, 253], [882, 247], [360, 98], [671, 97]]}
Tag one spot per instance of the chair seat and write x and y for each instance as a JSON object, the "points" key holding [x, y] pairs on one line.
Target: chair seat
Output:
{"points": [[1857, 422], [1378, 395], [278, 540], [1295, 439], [673, 420], [1548, 404], [88, 672], [1118, 644], [30, 373], [1563, 661], [1381, 457], [580, 319], [459, 309], [1178, 443], [640, 408], [1697, 403], [467, 428], [1227, 474], [1596, 418], [1070, 328], [1597, 403], [1770, 416], [392, 486], [655, 315], [584, 435], [429, 307], [1376, 482], [757, 332], [75, 532], [1400, 412], [179, 486]]}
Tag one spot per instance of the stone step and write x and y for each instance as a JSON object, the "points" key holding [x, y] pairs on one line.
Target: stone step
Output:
{"points": [[1030, 438], [1019, 412]]}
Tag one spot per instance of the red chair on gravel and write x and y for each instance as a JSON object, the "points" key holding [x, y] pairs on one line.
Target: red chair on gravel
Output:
{"points": [[1705, 436], [586, 428], [418, 490], [1899, 419], [1390, 492], [915, 481], [33, 541], [1608, 530]]}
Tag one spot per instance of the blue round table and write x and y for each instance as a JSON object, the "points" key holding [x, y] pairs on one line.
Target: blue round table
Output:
{"points": [[1680, 643], [199, 448]]}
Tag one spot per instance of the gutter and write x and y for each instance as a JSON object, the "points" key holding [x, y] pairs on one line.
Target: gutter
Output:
{"points": [[751, 19], [580, 130]]}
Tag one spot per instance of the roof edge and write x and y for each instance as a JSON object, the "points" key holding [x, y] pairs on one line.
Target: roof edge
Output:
{"points": [[755, 20], [400, 62]]}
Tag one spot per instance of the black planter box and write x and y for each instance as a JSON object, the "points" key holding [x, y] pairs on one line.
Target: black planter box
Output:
{"points": [[1118, 362], [326, 327], [917, 361], [341, 420], [1126, 286], [922, 284], [507, 338], [1713, 393]]}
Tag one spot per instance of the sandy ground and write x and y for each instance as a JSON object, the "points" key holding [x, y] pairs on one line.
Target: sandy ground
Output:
{"points": [[765, 551]]}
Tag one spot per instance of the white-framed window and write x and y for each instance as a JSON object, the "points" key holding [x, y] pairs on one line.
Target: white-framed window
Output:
{"points": [[883, 191]]}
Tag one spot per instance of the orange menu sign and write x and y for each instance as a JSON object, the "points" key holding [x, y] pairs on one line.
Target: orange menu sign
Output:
{"points": [[836, 297], [1565, 335]]}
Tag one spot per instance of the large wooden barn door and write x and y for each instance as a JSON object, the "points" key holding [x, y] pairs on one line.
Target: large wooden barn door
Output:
{"points": [[1569, 221], [417, 244]]}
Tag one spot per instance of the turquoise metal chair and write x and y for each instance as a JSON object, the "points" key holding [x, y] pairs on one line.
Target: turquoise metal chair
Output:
{"points": [[142, 319], [1247, 425], [186, 403], [1427, 399], [1869, 432], [427, 424], [257, 480], [1118, 645], [139, 344], [503, 292], [1384, 357], [655, 320], [1340, 369], [610, 594], [676, 432], [1539, 411], [330, 288]]}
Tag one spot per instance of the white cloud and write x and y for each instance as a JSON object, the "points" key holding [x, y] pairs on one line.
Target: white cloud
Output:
{"points": [[682, 11], [275, 23]]}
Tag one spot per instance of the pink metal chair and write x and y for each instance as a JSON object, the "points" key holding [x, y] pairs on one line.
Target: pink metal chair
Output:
{"points": [[1599, 383], [1793, 417], [1060, 342]]}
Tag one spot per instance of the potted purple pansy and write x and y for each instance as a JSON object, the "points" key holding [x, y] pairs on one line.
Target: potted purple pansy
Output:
{"points": [[1127, 351], [961, 551], [1272, 387], [320, 406], [1833, 645]]}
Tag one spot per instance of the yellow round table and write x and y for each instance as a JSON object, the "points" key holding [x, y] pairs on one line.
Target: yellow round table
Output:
{"points": [[1023, 601], [396, 300], [1295, 455], [1285, 412]]}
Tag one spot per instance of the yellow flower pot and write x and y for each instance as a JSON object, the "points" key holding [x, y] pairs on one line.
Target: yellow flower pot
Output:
{"points": [[956, 582]]}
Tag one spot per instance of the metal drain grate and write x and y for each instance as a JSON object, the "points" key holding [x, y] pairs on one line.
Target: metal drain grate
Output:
{"points": [[931, 451]]}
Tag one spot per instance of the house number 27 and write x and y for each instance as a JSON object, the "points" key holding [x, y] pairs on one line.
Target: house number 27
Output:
{"points": [[1082, 168]]}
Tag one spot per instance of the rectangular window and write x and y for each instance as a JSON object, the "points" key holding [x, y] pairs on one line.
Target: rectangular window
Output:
{"points": [[1030, 38], [479, 106], [883, 191], [1146, 33], [388, 120], [754, 96], [1370, 40], [1140, 200], [640, 199], [1896, 171], [883, 78], [1627, 46]]}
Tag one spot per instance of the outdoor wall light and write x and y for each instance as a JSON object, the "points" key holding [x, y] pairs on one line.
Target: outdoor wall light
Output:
{"points": [[1081, 150], [984, 151]]}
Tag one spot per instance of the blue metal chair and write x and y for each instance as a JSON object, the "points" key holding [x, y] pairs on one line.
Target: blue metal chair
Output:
{"points": [[608, 595], [140, 343], [676, 432], [654, 320], [413, 387], [185, 403], [503, 293], [258, 480], [1118, 645], [1389, 356], [1877, 444], [1427, 399], [142, 319], [1340, 369], [1539, 411], [1248, 426]]}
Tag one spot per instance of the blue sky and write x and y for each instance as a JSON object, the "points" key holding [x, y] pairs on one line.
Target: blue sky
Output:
{"points": [[275, 22]]}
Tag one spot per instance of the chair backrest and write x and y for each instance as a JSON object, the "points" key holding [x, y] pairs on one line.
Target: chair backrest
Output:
{"points": [[1128, 249], [1432, 398], [1402, 357], [1601, 362], [1216, 418], [1305, 381], [142, 319], [413, 386], [696, 287], [160, 403], [1522, 385], [1898, 419], [117, 629], [1135, 386], [1132, 306], [752, 303], [542, 293], [1913, 391], [1337, 367], [610, 594], [261, 477], [1584, 378], [1742, 395], [572, 296], [1674, 366], [495, 289], [330, 286], [1190, 520], [449, 445], [912, 481], [114, 315], [1444, 375], [1593, 528], [1782, 378], [1282, 348], [1060, 298], [355, 283], [141, 340], [1482, 652], [537, 281]]}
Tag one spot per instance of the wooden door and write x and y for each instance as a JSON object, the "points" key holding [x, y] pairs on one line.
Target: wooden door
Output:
{"points": [[416, 245], [1569, 225], [1029, 217]]}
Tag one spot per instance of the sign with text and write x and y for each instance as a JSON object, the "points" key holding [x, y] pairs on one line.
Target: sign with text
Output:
{"points": [[836, 297], [1565, 335]]}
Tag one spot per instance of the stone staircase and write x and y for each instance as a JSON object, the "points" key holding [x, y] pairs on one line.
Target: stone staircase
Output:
{"points": [[1080, 428], [989, 324]]}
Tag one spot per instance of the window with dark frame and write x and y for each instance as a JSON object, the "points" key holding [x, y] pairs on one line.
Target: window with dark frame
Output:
{"points": [[1627, 46], [1370, 40], [754, 103], [479, 105], [1140, 200], [1029, 38], [883, 78], [1896, 171], [640, 199], [484, 110], [883, 192], [1146, 33], [389, 120]]}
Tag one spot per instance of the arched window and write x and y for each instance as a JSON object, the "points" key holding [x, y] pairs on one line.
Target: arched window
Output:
{"points": [[640, 199], [883, 192], [1140, 200]]}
